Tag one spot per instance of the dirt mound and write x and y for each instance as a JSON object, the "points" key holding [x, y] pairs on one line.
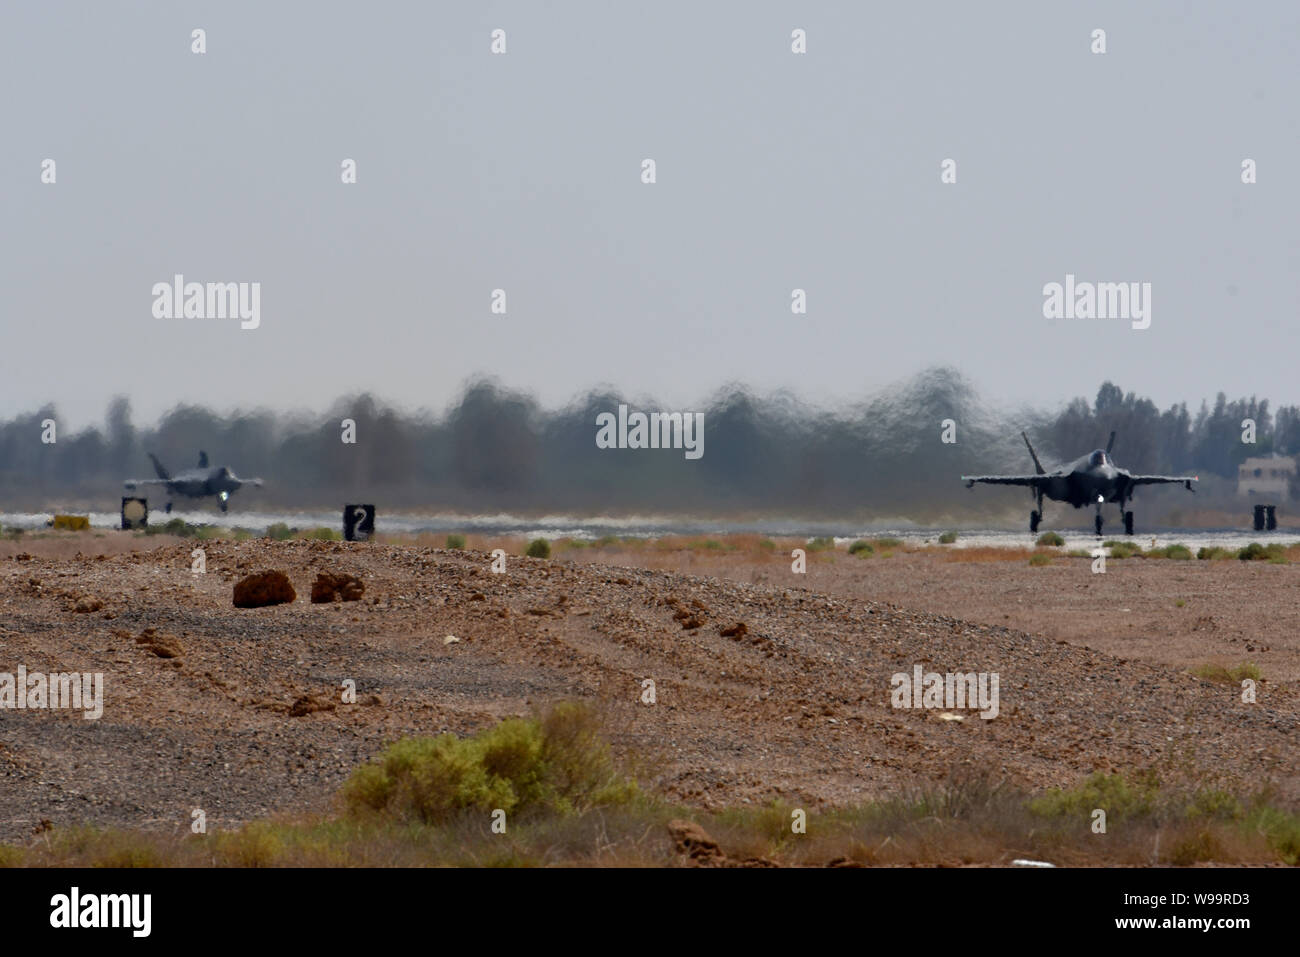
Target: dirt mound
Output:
{"points": [[336, 587], [262, 589], [86, 604], [693, 841], [310, 704], [161, 644], [703, 851]]}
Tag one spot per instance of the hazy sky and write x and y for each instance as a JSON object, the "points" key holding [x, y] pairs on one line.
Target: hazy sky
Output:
{"points": [[522, 171]]}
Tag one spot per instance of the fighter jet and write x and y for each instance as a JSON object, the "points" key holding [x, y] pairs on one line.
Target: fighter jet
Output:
{"points": [[1093, 479], [197, 483]]}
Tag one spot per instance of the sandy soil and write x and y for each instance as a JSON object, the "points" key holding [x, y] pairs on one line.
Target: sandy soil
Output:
{"points": [[797, 704]]}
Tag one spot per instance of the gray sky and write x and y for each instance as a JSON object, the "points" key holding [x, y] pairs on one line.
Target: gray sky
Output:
{"points": [[522, 172]]}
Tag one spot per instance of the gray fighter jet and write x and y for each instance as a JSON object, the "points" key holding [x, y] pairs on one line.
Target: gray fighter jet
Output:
{"points": [[197, 483], [1093, 479]]}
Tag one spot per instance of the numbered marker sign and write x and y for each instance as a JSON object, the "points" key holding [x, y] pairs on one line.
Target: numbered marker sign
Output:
{"points": [[358, 522]]}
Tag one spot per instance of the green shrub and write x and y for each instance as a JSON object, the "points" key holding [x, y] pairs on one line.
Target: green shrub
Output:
{"points": [[821, 543], [947, 538], [558, 762], [538, 548], [279, 532], [1120, 549], [767, 545], [1116, 795], [322, 534], [1255, 552], [175, 526], [1176, 552], [1280, 828], [1049, 539], [888, 542], [455, 541], [1213, 553], [1040, 558], [861, 548]]}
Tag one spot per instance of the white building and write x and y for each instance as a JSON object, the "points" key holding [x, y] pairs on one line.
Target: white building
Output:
{"points": [[1266, 476]]}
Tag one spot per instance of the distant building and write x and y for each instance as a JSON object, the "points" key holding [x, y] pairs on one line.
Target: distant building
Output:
{"points": [[1266, 475]]}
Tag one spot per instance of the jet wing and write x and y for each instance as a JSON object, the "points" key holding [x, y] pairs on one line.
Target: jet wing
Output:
{"points": [[132, 483], [1164, 479], [1033, 481]]}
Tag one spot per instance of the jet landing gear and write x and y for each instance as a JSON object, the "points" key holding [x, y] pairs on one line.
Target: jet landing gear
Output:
{"points": [[1034, 519], [1128, 523], [168, 508]]}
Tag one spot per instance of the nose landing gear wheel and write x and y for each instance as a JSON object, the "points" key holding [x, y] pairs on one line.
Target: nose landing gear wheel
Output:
{"points": [[1034, 519], [1128, 523], [1098, 523]]}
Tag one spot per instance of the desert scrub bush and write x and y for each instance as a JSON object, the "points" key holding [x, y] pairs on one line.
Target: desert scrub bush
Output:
{"points": [[1118, 796], [241, 534], [947, 538], [888, 542], [1213, 553], [1049, 539], [1039, 558], [1079, 553], [279, 532], [1280, 828], [1120, 549], [538, 548], [1215, 804], [1200, 845], [1232, 676], [256, 844], [767, 545], [1255, 552], [861, 548], [820, 544], [558, 763], [323, 534], [1179, 553], [455, 541], [175, 526]]}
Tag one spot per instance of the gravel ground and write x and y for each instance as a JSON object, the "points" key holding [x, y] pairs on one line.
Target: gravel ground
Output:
{"points": [[238, 711]]}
